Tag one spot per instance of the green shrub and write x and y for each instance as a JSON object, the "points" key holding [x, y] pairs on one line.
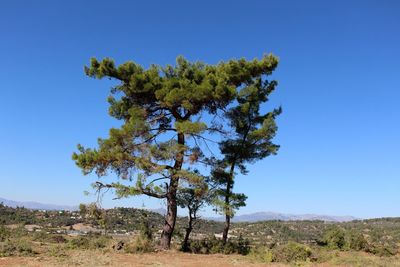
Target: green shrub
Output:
{"points": [[79, 242], [41, 236], [262, 254], [4, 233], [357, 241], [19, 247], [19, 232], [89, 242], [139, 245], [335, 238], [292, 252], [57, 251], [99, 242], [383, 250], [212, 245]]}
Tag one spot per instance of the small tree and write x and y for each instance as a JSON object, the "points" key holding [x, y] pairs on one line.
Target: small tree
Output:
{"points": [[250, 141], [192, 198], [160, 108], [335, 238], [82, 209]]}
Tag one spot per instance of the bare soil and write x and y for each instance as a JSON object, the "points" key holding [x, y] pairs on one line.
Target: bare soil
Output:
{"points": [[164, 259]]}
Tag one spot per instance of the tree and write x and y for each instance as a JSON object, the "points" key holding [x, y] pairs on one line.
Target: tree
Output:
{"points": [[193, 198], [161, 109], [82, 209], [250, 141]]}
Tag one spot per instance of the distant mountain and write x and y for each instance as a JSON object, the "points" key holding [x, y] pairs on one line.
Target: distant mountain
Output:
{"points": [[270, 216], [35, 205], [252, 217]]}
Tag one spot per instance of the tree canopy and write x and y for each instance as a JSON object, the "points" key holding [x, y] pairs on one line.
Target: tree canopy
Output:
{"points": [[160, 109]]}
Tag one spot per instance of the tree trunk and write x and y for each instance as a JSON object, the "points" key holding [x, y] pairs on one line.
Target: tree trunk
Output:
{"points": [[228, 209], [185, 245], [170, 219], [227, 213]]}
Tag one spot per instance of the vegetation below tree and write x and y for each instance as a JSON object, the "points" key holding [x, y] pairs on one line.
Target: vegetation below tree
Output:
{"points": [[25, 232]]}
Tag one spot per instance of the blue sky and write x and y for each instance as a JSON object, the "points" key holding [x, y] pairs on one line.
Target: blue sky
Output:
{"points": [[339, 81]]}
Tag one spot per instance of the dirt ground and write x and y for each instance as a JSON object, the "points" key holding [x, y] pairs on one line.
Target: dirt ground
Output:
{"points": [[178, 259], [167, 259]]}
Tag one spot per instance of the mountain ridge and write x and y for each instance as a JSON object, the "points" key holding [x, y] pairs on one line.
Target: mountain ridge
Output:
{"points": [[269, 216], [251, 217], [36, 205]]}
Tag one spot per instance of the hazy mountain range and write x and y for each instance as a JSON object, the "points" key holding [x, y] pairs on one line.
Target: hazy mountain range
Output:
{"points": [[252, 217], [269, 216], [35, 205]]}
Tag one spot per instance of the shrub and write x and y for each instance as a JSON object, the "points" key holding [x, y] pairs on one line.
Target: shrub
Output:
{"points": [[139, 245], [19, 247], [41, 236], [335, 238], [357, 241], [99, 242], [79, 243], [4, 233], [262, 254], [57, 251], [58, 239], [18, 232], [212, 245], [383, 250], [292, 252]]}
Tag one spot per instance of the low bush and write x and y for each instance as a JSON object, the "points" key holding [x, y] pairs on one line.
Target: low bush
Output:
{"points": [[79, 242], [99, 242], [292, 252], [334, 238], [212, 245], [139, 245], [41, 236], [20, 247], [57, 251], [357, 241], [58, 239], [89, 242], [262, 254], [4, 233], [383, 250]]}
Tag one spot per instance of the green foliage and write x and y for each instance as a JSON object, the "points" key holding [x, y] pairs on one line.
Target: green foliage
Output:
{"points": [[250, 140], [140, 244], [292, 252], [357, 241], [19, 247], [91, 241], [42, 236], [83, 209], [262, 254], [212, 245], [383, 250], [79, 242], [100, 242], [157, 103], [4, 233], [57, 251], [144, 241], [154, 99], [335, 238]]}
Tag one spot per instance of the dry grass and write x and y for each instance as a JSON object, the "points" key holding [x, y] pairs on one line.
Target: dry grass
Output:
{"points": [[178, 259]]}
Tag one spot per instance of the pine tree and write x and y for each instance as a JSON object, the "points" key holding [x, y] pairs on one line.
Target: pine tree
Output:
{"points": [[250, 141], [193, 198], [161, 109]]}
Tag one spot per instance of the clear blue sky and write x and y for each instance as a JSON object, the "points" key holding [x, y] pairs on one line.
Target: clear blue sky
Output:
{"points": [[339, 86]]}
